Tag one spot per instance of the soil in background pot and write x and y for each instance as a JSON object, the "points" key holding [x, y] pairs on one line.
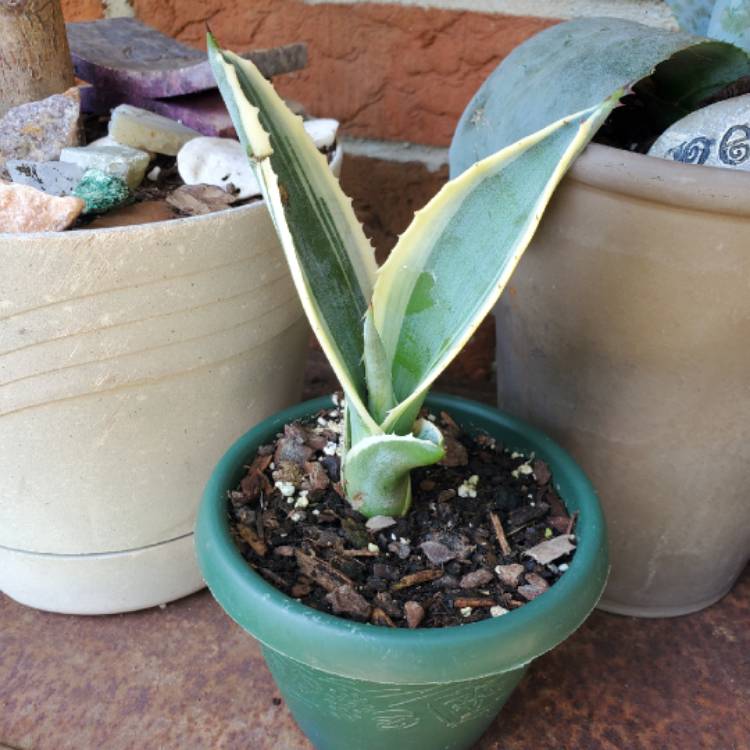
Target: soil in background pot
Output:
{"points": [[486, 533]]}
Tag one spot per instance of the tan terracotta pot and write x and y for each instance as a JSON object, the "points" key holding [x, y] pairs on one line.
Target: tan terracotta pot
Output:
{"points": [[130, 359], [624, 334]]}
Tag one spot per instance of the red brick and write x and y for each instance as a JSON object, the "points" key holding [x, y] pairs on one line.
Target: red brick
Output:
{"points": [[385, 71]]}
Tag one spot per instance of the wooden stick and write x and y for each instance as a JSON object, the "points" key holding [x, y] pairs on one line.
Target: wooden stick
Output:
{"points": [[500, 534]]}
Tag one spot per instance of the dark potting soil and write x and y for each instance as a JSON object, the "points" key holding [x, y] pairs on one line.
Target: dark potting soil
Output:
{"points": [[486, 533]]}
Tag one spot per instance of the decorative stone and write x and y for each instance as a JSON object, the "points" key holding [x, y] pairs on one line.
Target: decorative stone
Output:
{"points": [[218, 161], [129, 164], [138, 128], [25, 209], [195, 200], [126, 55], [38, 131], [101, 191], [716, 136], [145, 212], [322, 131], [51, 177]]}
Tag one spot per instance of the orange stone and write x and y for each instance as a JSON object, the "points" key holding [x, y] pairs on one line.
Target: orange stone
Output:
{"points": [[24, 209]]}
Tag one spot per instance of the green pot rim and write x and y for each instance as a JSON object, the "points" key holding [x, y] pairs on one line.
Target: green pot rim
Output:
{"points": [[378, 654]]}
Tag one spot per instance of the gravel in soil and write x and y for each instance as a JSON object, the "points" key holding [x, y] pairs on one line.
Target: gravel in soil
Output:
{"points": [[486, 533]]}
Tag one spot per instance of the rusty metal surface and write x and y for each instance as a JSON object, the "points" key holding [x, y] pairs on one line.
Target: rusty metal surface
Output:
{"points": [[187, 677]]}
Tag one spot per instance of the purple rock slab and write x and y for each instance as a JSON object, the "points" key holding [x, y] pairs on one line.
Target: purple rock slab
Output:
{"points": [[124, 56]]}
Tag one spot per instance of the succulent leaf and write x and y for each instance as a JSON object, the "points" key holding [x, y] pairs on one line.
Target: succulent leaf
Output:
{"points": [[377, 479], [575, 65], [452, 263], [692, 15], [331, 261], [730, 22]]}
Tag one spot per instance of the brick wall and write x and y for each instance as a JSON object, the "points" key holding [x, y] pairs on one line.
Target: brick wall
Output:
{"points": [[394, 72]]}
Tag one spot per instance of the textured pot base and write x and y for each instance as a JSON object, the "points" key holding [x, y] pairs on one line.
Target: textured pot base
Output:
{"points": [[629, 610], [101, 584], [450, 716]]}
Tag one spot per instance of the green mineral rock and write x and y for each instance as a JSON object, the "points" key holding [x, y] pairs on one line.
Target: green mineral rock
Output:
{"points": [[101, 191]]}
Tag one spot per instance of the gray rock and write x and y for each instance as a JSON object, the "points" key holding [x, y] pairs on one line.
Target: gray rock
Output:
{"points": [[715, 136], [38, 131], [51, 177]]}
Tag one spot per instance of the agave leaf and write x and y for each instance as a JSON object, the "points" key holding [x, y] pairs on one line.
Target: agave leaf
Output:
{"points": [[574, 65], [331, 261], [377, 469], [377, 372], [452, 263], [730, 22], [692, 15]]}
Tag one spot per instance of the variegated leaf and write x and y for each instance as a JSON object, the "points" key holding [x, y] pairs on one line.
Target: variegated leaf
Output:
{"points": [[452, 263], [331, 260]]}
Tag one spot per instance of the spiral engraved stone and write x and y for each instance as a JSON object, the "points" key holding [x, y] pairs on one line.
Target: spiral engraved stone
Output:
{"points": [[693, 152], [734, 148], [714, 136]]}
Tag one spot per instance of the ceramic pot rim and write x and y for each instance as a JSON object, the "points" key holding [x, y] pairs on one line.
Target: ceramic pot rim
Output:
{"points": [[378, 654], [649, 178]]}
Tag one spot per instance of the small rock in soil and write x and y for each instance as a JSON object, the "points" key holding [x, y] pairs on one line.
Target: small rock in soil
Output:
{"points": [[510, 575], [196, 200], [218, 161], [145, 130], [24, 209], [378, 523], [38, 131], [534, 586], [437, 553], [414, 613], [379, 617], [551, 549], [101, 191], [345, 600], [51, 177], [541, 472], [129, 164], [476, 579]]}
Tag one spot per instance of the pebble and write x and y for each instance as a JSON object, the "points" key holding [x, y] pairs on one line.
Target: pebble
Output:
{"points": [[218, 161], [322, 131], [196, 200], [498, 611], [38, 131], [511, 574], [476, 578], [714, 136], [146, 130], [25, 209], [51, 177], [414, 613], [101, 191], [129, 164]]}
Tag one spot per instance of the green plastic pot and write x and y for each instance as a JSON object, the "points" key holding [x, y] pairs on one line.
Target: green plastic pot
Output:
{"points": [[354, 686]]}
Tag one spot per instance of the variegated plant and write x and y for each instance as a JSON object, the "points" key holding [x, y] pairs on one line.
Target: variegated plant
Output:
{"points": [[389, 332]]}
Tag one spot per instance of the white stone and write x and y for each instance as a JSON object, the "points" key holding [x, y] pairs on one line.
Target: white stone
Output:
{"points": [[373, 547], [129, 164], [716, 136], [322, 131], [146, 130], [217, 161]]}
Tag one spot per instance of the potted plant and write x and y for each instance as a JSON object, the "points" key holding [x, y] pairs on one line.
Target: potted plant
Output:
{"points": [[129, 358], [388, 333], [618, 334]]}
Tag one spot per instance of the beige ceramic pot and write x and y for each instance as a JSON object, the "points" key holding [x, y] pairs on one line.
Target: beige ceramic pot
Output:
{"points": [[130, 358], [624, 334]]}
